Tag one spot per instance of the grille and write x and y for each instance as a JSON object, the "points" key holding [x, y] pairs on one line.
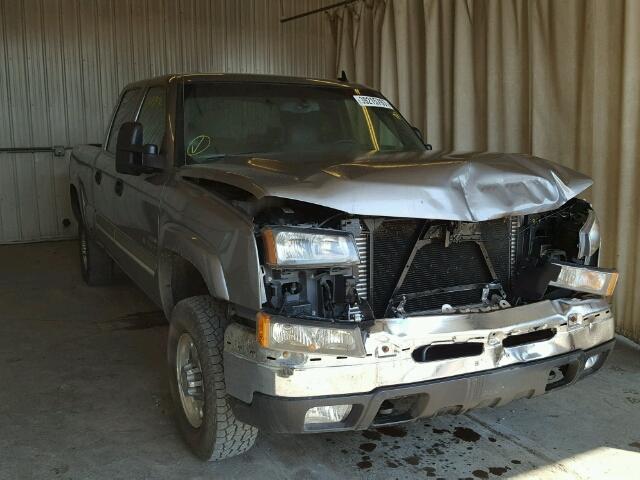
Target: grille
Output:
{"points": [[434, 266]]}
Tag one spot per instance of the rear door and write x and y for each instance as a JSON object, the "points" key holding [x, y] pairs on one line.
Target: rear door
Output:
{"points": [[105, 175], [137, 199]]}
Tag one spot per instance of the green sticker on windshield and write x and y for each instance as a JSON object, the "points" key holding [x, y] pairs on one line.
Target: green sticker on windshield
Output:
{"points": [[198, 145]]}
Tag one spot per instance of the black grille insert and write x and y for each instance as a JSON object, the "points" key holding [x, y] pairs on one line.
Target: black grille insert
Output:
{"points": [[447, 351], [531, 337]]}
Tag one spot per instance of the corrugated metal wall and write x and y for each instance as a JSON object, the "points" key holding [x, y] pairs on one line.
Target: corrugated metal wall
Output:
{"points": [[63, 62]]}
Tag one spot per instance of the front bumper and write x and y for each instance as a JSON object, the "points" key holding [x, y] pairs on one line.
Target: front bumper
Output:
{"points": [[256, 377], [453, 395]]}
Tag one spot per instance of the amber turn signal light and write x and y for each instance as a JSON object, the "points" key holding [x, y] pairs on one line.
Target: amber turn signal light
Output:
{"points": [[270, 255], [263, 320]]}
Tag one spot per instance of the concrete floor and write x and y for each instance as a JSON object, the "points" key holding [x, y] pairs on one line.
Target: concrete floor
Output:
{"points": [[83, 395]]}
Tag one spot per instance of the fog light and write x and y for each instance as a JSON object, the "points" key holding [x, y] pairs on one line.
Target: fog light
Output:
{"points": [[328, 414], [591, 361]]}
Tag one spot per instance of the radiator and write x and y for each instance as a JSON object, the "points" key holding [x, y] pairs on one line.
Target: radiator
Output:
{"points": [[384, 252]]}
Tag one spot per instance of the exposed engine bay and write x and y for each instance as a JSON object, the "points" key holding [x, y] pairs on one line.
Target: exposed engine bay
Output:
{"points": [[408, 267]]}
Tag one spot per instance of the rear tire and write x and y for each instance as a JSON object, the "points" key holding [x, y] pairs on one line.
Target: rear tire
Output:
{"points": [[96, 265], [196, 377]]}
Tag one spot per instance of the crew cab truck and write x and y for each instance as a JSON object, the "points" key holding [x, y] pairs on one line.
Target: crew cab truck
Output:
{"points": [[324, 270]]}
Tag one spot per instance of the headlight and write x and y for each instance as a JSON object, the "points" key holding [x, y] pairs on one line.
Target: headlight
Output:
{"points": [[600, 281], [305, 247], [589, 237], [308, 337]]}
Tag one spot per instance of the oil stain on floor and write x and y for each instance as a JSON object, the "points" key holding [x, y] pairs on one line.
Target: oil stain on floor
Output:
{"points": [[428, 453]]}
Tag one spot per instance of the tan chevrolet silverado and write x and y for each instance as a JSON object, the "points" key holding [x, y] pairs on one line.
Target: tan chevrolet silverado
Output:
{"points": [[323, 270]]}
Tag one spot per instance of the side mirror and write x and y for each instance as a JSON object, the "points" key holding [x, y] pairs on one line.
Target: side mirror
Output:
{"points": [[133, 158]]}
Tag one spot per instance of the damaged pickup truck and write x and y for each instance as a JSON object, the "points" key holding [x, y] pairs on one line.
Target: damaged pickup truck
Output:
{"points": [[323, 270]]}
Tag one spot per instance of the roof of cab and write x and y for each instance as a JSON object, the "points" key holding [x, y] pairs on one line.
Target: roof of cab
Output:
{"points": [[241, 77]]}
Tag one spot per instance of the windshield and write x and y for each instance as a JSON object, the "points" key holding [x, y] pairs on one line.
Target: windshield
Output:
{"points": [[250, 118]]}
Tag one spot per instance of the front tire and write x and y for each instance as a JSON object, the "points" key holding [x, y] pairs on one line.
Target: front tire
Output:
{"points": [[196, 377], [96, 265]]}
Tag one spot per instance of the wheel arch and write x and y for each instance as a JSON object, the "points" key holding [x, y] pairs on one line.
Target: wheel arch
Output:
{"points": [[75, 203], [82, 212], [186, 268]]}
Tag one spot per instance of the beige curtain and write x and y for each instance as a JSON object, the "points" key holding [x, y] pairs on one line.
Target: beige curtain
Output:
{"points": [[556, 78]]}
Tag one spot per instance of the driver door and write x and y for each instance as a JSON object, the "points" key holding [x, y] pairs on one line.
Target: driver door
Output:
{"points": [[105, 176], [137, 199]]}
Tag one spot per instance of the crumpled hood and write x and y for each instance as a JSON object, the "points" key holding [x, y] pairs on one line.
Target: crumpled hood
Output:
{"points": [[435, 185]]}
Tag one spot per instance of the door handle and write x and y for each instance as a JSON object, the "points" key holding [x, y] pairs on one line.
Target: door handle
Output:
{"points": [[119, 186], [98, 176]]}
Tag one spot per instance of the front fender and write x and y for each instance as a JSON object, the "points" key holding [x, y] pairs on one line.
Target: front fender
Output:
{"points": [[229, 271], [191, 247]]}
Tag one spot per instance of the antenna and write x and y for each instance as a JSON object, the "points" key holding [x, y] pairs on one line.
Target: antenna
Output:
{"points": [[343, 77]]}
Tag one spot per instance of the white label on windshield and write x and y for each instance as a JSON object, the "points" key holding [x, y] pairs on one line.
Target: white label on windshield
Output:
{"points": [[365, 101]]}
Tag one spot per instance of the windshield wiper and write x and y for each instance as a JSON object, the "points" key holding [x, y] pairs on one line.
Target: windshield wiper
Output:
{"points": [[213, 156], [216, 156]]}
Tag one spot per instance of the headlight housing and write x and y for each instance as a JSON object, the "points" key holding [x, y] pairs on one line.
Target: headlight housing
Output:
{"points": [[600, 281], [589, 237], [308, 336], [307, 247]]}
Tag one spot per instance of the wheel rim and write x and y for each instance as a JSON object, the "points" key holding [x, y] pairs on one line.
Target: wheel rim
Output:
{"points": [[189, 378], [84, 250]]}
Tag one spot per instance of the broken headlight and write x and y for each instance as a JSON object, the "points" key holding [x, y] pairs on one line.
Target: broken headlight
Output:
{"points": [[308, 337], [306, 247], [600, 281], [589, 237]]}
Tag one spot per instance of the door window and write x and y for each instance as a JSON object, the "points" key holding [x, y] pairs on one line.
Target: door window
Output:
{"points": [[152, 116], [125, 113]]}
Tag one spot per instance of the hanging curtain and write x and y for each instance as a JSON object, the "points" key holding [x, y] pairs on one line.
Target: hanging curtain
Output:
{"points": [[556, 79]]}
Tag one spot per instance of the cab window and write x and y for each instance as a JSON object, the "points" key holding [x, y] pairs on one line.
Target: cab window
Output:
{"points": [[152, 117], [125, 113]]}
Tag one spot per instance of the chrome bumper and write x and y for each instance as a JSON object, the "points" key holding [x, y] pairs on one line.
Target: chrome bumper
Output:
{"points": [[578, 325]]}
